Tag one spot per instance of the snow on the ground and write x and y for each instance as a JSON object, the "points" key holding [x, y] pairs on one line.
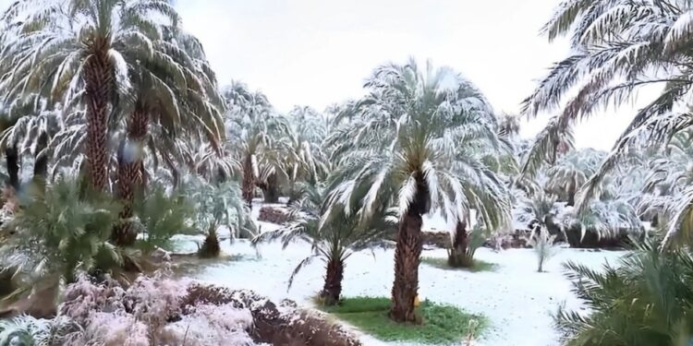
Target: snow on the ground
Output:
{"points": [[516, 299]]}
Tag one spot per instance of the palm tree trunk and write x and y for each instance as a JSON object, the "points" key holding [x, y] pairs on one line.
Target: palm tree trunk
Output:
{"points": [[41, 159], [458, 254], [407, 259], [248, 180], [271, 189], [130, 177], [97, 77], [12, 160], [333, 282], [571, 194]]}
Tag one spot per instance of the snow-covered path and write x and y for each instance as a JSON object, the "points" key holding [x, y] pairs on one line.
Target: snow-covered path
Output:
{"points": [[516, 299]]}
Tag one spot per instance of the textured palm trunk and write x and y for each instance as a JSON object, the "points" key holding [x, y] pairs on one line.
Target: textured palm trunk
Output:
{"points": [[248, 180], [98, 79], [407, 259], [12, 160], [333, 282], [571, 194], [130, 176], [40, 159], [270, 190], [457, 257]]}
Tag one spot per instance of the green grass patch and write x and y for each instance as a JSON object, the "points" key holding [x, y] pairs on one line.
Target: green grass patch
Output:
{"points": [[442, 263], [442, 324]]}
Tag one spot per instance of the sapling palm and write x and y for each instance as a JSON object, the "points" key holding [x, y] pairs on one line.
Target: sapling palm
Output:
{"points": [[334, 236], [60, 232], [215, 206], [542, 243]]}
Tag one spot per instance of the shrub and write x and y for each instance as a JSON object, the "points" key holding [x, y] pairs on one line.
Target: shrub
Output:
{"points": [[543, 246], [645, 300], [57, 234], [161, 216], [218, 205], [462, 256]]}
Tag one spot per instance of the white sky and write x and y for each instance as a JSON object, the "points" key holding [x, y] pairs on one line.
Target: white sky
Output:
{"points": [[317, 52]]}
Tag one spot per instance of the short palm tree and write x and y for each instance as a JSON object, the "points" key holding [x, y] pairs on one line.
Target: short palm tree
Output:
{"points": [[61, 231], [333, 238], [645, 299], [217, 205], [73, 50], [403, 151]]}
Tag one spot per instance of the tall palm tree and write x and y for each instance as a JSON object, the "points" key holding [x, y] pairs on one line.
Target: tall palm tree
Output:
{"points": [[82, 49], [403, 151], [571, 171], [252, 123], [171, 93], [304, 158], [616, 45]]}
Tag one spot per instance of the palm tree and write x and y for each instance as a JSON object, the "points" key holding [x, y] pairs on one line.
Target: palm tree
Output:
{"points": [[645, 299], [615, 47], [404, 138], [82, 50], [170, 93], [302, 147], [216, 206], [571, 171], [509, 125], [58, 233], [254, 126], [334, 239]]}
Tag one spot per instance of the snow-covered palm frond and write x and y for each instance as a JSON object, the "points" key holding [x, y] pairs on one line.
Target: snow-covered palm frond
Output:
{"points": [[401, 145], [547, 145]]}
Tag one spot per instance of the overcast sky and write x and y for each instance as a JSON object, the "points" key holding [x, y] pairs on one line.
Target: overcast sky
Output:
{"points": [[317, 52]]}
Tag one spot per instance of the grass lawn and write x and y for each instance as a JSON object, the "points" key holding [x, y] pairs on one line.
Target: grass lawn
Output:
{"points": [[442, 324], [442, 263]]}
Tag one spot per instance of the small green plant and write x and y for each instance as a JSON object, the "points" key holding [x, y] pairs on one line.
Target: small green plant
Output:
{"points": [[465, 244], [59, 232], [160, 216], [218, 205], [646, 299], [443, 324]]}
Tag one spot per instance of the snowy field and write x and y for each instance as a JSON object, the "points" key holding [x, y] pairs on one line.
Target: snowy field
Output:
{"points": [[516, 299]]}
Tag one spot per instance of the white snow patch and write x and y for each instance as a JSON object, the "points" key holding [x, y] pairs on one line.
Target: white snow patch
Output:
{"points": [[516, 299]]}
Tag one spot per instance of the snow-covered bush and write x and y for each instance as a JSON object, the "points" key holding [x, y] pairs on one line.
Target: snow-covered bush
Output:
{"points": [[542, 243], [218, 205], [150, 312], [160, 216], [60, 232]]}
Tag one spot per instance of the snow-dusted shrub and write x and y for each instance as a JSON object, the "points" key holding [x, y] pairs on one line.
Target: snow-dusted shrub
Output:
{"points": [[149, 312], [542, 243], [24, 331]]}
